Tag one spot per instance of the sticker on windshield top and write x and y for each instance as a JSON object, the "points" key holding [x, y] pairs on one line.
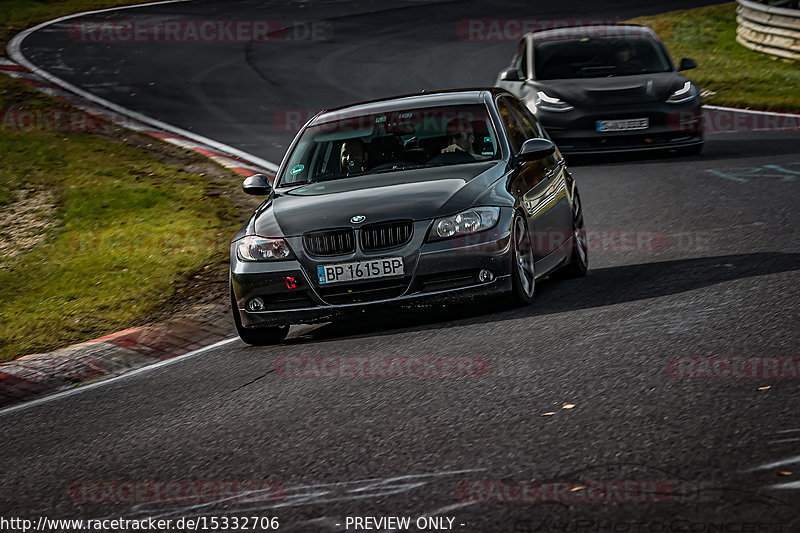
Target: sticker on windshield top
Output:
{"points": [[297, 170]]}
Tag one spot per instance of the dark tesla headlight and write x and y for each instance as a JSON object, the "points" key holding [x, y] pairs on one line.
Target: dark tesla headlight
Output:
{"points": [[469, 221], [551, 103], [254, 248], [684, 94]]}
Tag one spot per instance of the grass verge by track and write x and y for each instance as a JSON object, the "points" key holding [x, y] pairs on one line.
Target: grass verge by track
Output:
{"points": [[117, 230], [99, 226], [738, 76]]}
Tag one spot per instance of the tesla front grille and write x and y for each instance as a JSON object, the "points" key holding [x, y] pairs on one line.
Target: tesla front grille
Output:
{"points": [[386, 235], [330, 242]]}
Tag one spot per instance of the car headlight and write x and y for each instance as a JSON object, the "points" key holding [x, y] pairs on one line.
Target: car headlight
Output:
{"points": [[551, 103], [684, 94], [254, 248], [469, 221]]}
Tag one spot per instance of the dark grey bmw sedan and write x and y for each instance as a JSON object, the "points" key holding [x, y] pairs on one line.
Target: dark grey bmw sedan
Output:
{"points": [[434, 197]]}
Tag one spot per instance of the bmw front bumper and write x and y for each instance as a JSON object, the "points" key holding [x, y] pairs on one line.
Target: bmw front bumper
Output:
{"points": [[436, 272]]}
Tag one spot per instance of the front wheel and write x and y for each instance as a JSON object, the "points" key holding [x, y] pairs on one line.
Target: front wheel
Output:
{"points": [[523, 270], [257, 336], [579, 258]]}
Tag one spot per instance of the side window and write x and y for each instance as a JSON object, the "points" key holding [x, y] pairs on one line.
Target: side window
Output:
{"points": [[516, 135], [529, 123], [522, 59]]}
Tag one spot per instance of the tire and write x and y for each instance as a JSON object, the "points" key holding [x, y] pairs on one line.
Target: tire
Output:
{"points": [[257, 336], [579, 258], [523, 268]]}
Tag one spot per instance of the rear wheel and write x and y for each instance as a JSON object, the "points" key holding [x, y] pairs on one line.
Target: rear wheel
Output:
{"points": [[523, 271], [579, 258], [257, 336]]}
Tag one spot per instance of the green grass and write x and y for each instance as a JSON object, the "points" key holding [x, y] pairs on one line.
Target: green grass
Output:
{"points": [[127, 229], [18, 15], [739, 76]]}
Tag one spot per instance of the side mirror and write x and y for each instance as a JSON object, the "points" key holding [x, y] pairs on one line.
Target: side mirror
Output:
{"points": [[257, 185], [511, 74], [687, 63], [534, 149]]}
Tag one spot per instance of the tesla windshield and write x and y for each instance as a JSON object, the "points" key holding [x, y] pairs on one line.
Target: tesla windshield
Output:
{"points": [[350, 145], [595, 58]]}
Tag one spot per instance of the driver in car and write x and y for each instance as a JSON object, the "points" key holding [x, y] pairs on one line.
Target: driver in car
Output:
{"points": [[624, 63], [353, 156], [460, 137]]}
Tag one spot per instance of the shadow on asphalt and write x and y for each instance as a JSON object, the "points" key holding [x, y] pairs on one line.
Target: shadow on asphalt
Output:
{"points": [[723, 147], [601, 287]]}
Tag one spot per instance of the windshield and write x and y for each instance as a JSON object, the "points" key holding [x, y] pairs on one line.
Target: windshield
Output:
{"points": [[386, 142], [595, 58]]}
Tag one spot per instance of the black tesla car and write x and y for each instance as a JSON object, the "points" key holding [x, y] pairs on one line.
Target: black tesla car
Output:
{"points": [[607, 88], [434, 197]]}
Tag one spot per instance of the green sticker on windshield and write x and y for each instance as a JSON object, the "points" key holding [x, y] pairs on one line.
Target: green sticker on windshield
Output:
{"points": [[297, 170]]}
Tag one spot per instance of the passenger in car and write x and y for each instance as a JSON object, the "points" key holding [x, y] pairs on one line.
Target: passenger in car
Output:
{"points": [[354, 156]]}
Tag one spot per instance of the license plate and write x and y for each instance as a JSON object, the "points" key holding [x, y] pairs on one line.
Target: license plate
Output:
{"points": [[623, 125], [375, 268]]}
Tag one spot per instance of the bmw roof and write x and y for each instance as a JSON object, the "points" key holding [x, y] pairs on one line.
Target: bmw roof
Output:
{"points": [[432, 99]]}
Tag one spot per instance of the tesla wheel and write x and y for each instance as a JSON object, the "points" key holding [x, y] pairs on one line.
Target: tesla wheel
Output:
{"points": [[523, 271], [257, 336], [579, 258]]}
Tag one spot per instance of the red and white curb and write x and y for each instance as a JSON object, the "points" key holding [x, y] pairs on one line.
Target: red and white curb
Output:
{"points": [[30, 378], [36, 375]]}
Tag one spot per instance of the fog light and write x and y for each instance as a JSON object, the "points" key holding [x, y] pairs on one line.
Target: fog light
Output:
{"points": [[485, 276], [256, 304]]}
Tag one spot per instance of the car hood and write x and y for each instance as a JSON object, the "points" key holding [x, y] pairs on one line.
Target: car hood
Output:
{"points": [[412, 194], [615, 90]]}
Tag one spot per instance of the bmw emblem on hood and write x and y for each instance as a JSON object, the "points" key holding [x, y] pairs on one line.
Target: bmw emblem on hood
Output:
{"points": [[358, 219]]}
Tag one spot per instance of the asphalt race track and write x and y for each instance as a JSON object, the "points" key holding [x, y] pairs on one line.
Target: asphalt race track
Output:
{"points": [[720, 281]]}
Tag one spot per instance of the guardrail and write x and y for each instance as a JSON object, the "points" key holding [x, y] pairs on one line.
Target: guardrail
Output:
{"points": [[768, 29]]}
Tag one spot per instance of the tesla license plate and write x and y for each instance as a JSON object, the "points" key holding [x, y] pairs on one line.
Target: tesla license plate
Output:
{"points": [[375, 268], [623, 125]]}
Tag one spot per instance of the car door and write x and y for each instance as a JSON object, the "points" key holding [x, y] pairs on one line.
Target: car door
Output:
{"points": [[525, 179], [546, 199]]}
